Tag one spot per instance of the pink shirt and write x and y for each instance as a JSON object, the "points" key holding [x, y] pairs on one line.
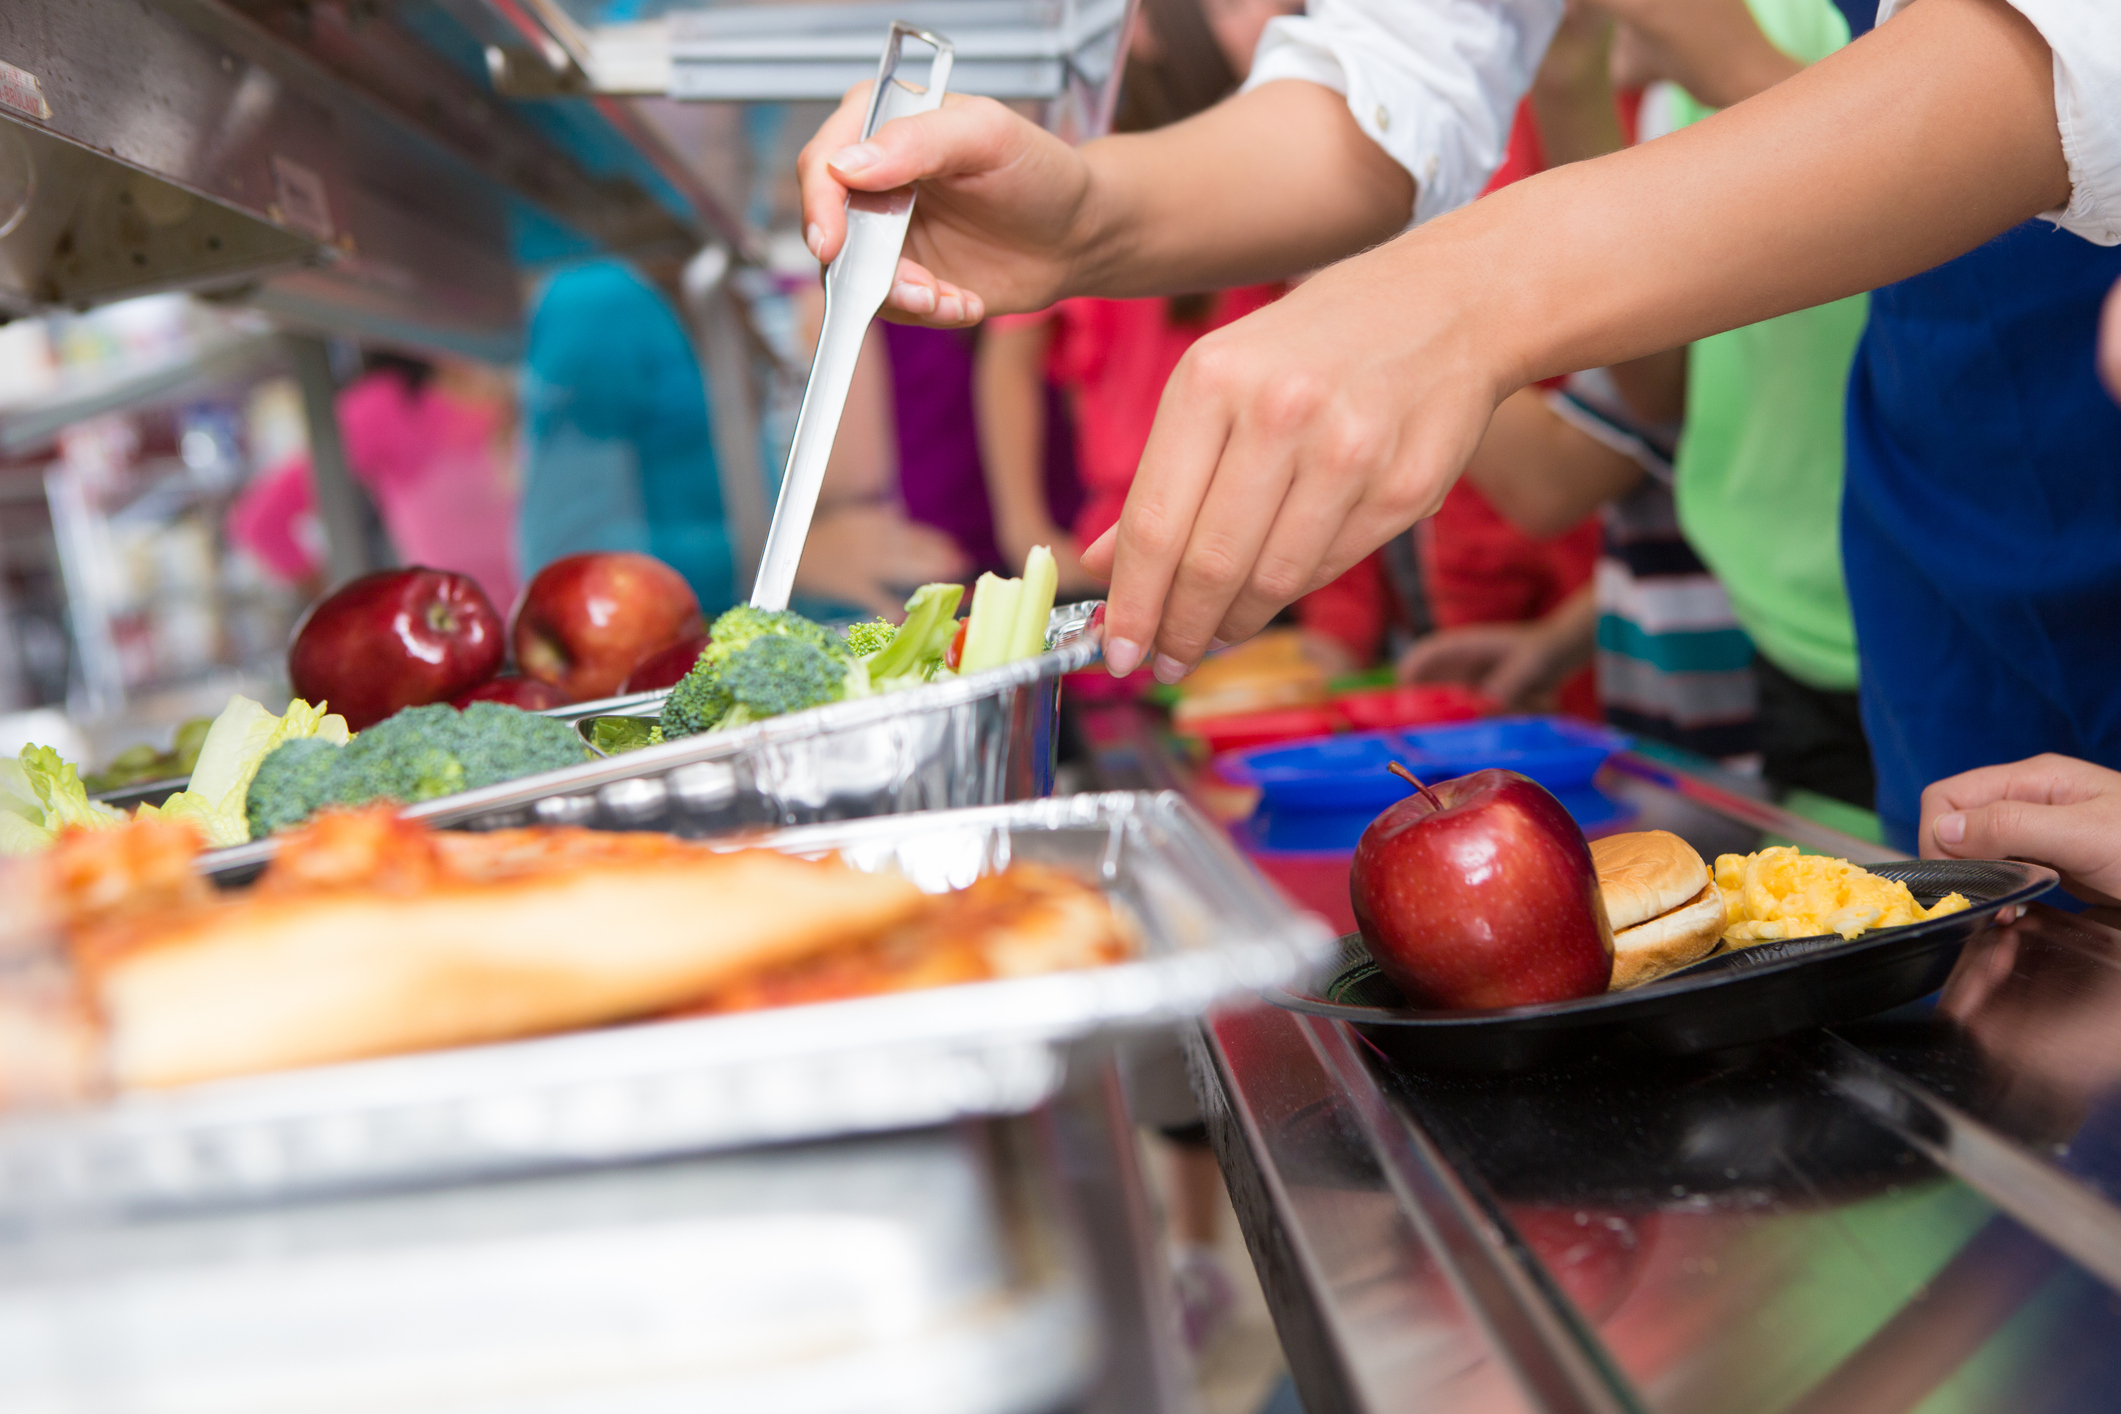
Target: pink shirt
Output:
{"points": [[437, 469]]}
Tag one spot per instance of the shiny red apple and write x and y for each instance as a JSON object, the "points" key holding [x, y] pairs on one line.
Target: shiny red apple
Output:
{"points": [[1479, 892], [394, 639], [513, 690], [584, 621], [665, 666]]}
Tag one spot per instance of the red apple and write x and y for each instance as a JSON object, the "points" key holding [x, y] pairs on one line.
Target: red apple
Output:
{"points": [[513, 690], [1479, 892], [666, 666], [585, 620], [394, 639]]}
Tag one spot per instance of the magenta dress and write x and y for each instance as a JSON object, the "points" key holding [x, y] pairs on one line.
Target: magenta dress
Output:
{"points": [[940, 478]]}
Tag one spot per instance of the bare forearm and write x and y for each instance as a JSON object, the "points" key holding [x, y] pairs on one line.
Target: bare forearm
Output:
{"points": [[1572, 629], [1714, 49], [1268, 184], [1541, 474], [1908, 148], [1653, 387]]}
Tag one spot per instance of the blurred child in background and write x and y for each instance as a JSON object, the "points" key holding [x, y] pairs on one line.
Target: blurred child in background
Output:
{"points": [[1112, 357], [433, 444], [618, 446]]}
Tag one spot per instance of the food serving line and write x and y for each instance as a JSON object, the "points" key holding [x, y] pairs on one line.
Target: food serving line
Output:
{"points": [[921, 1201], [1911, 1211], [928, 1201]]}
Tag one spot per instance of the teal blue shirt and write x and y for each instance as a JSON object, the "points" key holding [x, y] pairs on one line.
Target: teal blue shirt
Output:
{"points": [[618, 447]]}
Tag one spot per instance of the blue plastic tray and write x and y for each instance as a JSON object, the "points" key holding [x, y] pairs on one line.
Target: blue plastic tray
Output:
{"points": [[1347, 773], [1338, 831]]}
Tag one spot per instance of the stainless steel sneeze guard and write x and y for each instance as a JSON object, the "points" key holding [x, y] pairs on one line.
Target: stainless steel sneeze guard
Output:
{"points": [[979, 740], [1211, 928]]}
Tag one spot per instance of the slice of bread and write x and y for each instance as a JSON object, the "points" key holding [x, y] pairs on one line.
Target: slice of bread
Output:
{"points": [[1669, 941], [482, 951], [1645, 874]]}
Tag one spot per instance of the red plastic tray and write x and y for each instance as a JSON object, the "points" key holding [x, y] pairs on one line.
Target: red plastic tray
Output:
{"points": [[1241, 730], [1412, 706]]}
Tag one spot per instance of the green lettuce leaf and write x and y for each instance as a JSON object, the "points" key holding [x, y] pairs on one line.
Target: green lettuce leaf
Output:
{"points": [[40, 795], [236, 744], [613, 735]]}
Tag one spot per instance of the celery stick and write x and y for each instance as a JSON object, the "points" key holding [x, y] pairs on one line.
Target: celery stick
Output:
{"points": [[1041, 582], [992, 623]]}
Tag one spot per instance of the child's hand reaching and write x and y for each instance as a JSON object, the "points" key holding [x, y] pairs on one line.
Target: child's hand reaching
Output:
{"points": [[1520, 665], [2052, 810]]}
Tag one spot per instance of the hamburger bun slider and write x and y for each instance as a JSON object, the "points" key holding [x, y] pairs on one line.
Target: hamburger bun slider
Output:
{"points": [[1665, 910]]}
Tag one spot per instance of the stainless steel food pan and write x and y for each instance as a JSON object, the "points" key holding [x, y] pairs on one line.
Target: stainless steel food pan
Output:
{"points": [[925, 1273], [978, 740], [1211, 927]]}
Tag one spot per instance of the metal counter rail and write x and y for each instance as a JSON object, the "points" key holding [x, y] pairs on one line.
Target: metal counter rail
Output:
{"points": [[1914, 1212]]}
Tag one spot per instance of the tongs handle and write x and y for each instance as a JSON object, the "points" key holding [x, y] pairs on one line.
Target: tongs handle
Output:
{"points": [[855, 286]]}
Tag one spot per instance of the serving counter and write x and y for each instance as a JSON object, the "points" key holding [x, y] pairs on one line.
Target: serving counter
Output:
{"points": [[1910, 1213]]}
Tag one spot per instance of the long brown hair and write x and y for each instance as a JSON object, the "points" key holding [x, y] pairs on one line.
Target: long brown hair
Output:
{"points": [[1188, 74]]}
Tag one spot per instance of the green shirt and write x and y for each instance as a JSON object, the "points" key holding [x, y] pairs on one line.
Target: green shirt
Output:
{"points": [[1758, 477]]}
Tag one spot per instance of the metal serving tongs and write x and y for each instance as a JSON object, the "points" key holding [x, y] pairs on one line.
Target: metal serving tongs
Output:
{"points": [[855, 286]]}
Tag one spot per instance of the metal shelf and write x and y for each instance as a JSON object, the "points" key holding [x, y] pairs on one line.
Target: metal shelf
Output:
{"points": [[1061, 53], [318, 158]]}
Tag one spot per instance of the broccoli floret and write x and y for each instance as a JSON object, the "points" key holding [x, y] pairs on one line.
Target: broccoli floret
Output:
{"points": [[872, 636], [289, 785], [740, 627], [776, 675], [697, 702], [503, 743], [703, 700], [408, 757], [415, 755]]}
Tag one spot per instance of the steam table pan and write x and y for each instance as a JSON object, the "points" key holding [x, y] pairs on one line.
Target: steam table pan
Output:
{"points": [[1210, 927], [978, 740], [1728, 999]]}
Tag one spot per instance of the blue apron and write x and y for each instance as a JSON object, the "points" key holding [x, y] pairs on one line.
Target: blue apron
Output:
{"points": [[1981, 519]]}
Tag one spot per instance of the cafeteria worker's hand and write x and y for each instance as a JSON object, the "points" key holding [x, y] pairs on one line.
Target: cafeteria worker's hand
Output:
{"points": [[2052, 810], [1274, 181], [1287, 447], [1293, 442], [998, 206]]}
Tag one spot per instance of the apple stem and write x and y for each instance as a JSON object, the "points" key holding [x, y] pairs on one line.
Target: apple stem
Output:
{"points": [[1415, 781]]}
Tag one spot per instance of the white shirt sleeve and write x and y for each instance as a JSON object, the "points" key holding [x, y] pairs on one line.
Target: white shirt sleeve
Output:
{"points": [[1435, 83], [2086, 38]]}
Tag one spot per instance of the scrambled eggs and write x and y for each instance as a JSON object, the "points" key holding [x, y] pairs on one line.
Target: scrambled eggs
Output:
{"points": [[1778, 893]]}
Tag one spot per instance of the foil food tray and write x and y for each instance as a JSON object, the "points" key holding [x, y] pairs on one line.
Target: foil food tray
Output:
{"points": [[978, 740], [935, 1272], [1210, 927]]}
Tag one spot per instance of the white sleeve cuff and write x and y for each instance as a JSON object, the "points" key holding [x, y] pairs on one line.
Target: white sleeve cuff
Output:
{"points": [[2085, 36], [1435, 83]]}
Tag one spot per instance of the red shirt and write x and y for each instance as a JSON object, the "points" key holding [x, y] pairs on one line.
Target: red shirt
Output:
{"points": [[1113, 357]]}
